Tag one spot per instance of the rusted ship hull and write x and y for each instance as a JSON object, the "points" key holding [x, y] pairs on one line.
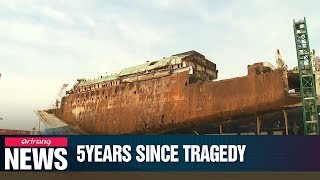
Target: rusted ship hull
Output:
{"points": [[169, 102]]}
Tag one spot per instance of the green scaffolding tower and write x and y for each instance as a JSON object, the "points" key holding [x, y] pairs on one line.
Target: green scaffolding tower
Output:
{"points": [[307, 80]]}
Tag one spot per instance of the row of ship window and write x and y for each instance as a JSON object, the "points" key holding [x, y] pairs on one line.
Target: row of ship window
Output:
{"points": [[177, 66], [92, 94], [98, 86]]}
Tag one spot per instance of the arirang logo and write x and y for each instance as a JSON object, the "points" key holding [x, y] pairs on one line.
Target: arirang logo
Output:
{"points": [[35, 153], [32, 141]]}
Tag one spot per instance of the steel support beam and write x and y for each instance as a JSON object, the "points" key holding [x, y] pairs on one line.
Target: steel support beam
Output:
{"points": [[220, 129], [258, 125], [306, 76], [285, 115]]}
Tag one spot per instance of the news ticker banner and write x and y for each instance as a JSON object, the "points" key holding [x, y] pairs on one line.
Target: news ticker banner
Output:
{"points": [[159, 153]]}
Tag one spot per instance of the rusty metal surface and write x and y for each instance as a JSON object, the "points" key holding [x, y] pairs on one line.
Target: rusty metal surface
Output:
{"points": [[169, 102]]}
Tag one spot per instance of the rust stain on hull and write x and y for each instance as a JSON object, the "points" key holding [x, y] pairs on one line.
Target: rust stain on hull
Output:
{"points": [[169, 102]]}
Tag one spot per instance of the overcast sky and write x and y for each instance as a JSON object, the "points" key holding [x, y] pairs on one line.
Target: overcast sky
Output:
{"points": [[44, 44]]}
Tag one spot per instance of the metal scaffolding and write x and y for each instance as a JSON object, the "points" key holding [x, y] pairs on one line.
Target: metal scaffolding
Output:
{"points": [[306, 76]]}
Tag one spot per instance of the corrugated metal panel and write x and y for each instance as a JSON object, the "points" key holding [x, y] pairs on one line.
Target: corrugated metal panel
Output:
{"points": [[134, 69], [99, 80], [152, 65]]}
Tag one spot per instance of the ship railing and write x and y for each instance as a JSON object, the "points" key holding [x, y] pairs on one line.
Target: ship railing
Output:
{"points": [[293, 92]]}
